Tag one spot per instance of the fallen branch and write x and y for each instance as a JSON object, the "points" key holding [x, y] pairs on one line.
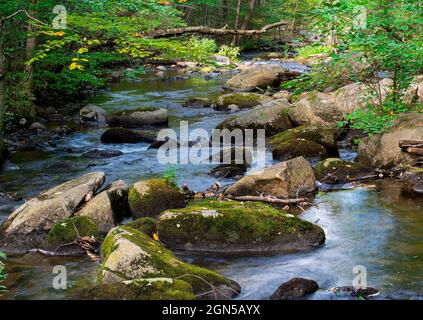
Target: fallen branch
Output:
{"points": [[410, 143], [415, 151], [267, 199], [213, 31]]}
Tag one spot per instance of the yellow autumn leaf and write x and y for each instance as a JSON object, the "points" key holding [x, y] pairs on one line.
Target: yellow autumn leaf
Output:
{"points": [[59, 33], [155, 237]]}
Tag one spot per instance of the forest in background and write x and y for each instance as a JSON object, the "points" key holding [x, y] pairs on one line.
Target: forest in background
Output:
{"points": [[49, 59]]}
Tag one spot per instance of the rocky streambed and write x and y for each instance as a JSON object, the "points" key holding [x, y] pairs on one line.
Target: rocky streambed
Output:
{"points": [[245, 249]]}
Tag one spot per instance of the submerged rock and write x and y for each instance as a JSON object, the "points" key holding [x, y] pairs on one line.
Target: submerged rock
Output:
{"points": [[242, 100], [310, 142], [27, 226], [295, 289], [382, 150], [259, 76], [139, 117], [356, 292], [128, 254], [122, 135], [289, 179], [413, 182], [102, 154], [334, 170], [140, 289], [109, 207], [148, 198], [233, 227], [271, 116]]}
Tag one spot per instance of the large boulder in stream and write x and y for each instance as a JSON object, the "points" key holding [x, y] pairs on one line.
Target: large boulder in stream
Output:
{"points": [[382, 150], [242, 100], [232, 227], [139, 117], [27, 226], [295, 289], [334, 170], [129, 254], [149, 198], [139, 289], [310, 142], [259, 76], [109, 207], [271, 116], [289, 179], [329, 108]]}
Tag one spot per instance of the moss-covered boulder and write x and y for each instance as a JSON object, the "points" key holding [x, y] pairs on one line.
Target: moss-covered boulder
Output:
{"points": [[27, 227], [139, 117], [334, 170], [61, 237], [289, 179], [271, 116], [145, 225], [310, 142], [122, 135], [242, 100], [236, 228], [198, 103], [70, 229], [148, 198], [129, 254], [141, 289]]}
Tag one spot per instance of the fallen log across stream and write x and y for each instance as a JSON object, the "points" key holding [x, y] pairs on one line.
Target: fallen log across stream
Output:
{"points": [[213, 31]]}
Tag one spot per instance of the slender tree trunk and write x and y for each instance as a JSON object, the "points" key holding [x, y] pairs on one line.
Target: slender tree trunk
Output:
{"points": [[2, 74], [30, 45], [249, 15], [238, 12]]}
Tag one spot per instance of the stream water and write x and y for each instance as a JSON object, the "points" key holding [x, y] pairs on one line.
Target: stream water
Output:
{"points": [[372, 225]]}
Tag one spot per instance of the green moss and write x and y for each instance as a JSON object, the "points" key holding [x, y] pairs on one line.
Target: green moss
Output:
{"points": [[127, 112], [298, 148], [68, 230], [145, 225], [230, 222], [242, 100], [320, 135], [141, 289], [156, 196], [337, 170], [163, 260]]}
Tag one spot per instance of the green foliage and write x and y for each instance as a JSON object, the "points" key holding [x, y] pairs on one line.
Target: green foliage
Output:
{"points": [[308, 51], [230, 52], [170, 175], [3, 274]]}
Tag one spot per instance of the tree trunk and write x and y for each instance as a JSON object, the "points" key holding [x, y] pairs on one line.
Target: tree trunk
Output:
{"points": [[2, 74], [238, 12]]}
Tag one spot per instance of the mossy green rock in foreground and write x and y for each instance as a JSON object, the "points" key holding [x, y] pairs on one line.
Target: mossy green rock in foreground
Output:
{"points": [[149, 198], [129, 254], [142, 289], [68, 230], [309, 142], [337, 171], [236, 227]]}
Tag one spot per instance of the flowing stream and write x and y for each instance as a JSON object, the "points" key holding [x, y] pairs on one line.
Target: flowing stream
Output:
{"points": [[371, 225]]}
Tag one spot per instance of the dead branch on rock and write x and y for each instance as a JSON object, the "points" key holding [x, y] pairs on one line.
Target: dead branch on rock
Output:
{"points": [[267, 199]]}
